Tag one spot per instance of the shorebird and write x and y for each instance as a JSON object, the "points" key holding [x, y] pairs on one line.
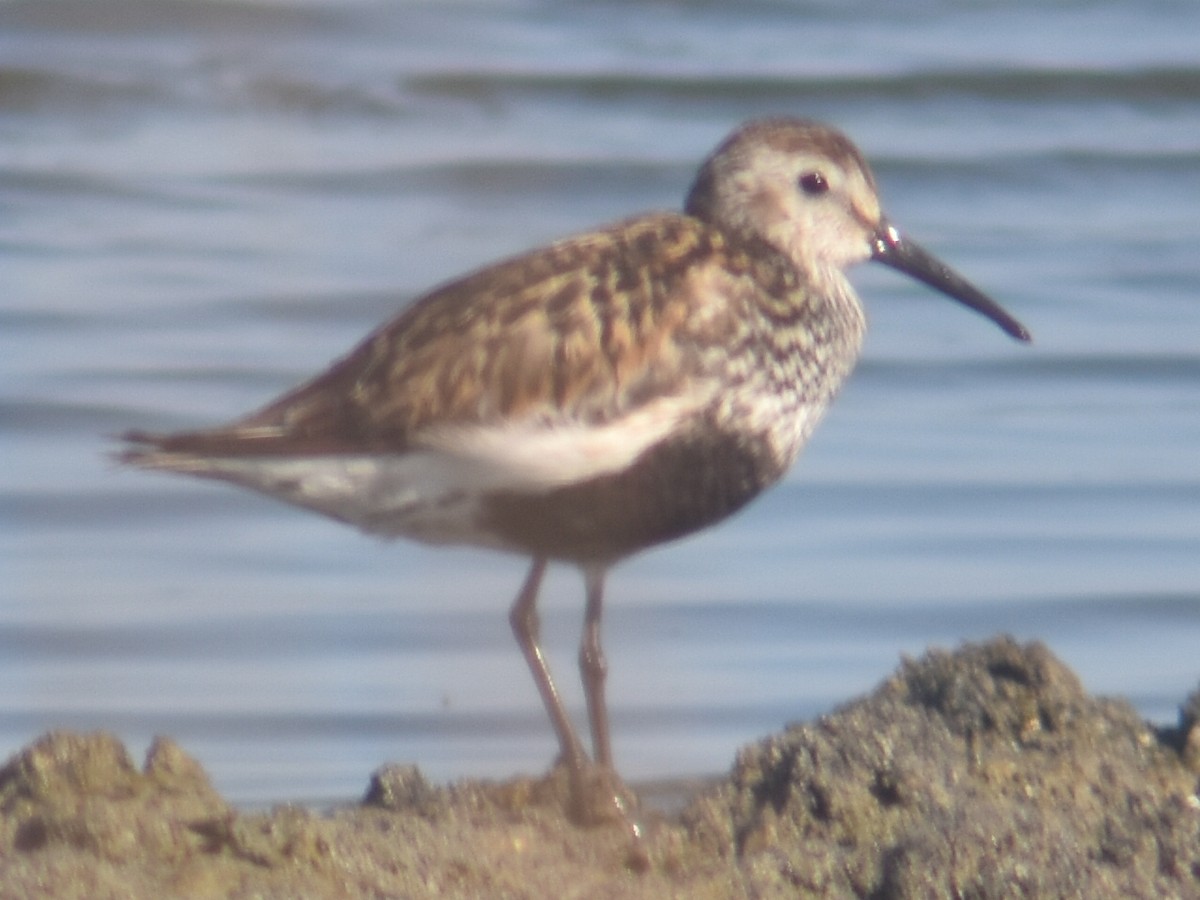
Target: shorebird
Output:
{"points": [[597, 396]]}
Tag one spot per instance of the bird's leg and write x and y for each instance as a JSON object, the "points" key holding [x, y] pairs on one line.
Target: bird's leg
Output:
{"points": [[593, 667], [524, 620], [605, 796], [596, 793]]}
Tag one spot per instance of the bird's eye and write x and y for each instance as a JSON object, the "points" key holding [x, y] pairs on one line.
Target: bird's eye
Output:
{"points": [[813, 183]]}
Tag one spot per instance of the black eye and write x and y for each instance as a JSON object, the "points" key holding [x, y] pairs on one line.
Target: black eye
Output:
{"points": [[813, 184]]}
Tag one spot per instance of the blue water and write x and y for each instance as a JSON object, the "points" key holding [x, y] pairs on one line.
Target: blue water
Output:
{"points": [[202, 203]]}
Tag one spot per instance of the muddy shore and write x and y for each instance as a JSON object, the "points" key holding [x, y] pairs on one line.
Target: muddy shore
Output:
{"points": [[984, 772]]}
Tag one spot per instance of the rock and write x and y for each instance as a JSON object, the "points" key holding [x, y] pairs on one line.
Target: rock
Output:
{"points": [[986, 772]]}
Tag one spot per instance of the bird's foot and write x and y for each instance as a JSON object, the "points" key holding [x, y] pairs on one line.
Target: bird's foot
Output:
{"points": [[598, 796]]}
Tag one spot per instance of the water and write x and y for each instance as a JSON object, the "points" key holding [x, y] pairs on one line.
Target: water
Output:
{"points": [[202, 203]]}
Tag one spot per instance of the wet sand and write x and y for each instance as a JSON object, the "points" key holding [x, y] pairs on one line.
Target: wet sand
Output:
{"points": [[986, 772]]}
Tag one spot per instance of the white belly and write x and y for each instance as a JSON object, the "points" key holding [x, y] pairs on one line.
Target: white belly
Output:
{"points": [[434, 492]]}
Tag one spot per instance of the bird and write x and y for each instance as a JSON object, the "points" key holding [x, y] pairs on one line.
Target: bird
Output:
{"points": [[595, 397]]}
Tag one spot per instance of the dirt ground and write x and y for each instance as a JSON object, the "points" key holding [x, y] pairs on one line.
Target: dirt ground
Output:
{"points": [[983, 773]]}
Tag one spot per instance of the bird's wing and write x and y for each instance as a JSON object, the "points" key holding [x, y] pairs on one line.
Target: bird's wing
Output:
{"points": [[613, 335]]}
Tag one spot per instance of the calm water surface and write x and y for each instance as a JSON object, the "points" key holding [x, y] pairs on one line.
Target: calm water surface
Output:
{"points": [[202, 203]]}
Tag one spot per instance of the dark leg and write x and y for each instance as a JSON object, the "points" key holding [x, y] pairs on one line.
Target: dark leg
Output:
{"points": [[524, 620], [596, 793], [594, 667], [608, 797]]}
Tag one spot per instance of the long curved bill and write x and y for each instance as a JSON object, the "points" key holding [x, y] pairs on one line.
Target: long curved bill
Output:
{"points": [[909, 257]]}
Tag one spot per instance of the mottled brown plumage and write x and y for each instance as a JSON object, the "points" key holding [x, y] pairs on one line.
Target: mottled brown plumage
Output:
{"points": [[583, 330], [595, 397]]}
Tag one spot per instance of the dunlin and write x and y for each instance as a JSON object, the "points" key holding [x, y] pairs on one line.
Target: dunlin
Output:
{"points": [[597, 396]]}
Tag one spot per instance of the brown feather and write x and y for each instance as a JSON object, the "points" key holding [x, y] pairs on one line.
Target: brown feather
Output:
{"points": [[582, 330]]}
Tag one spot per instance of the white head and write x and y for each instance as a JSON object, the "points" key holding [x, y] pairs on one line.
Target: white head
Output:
{"points": [[805, 189], [800, 185]]}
